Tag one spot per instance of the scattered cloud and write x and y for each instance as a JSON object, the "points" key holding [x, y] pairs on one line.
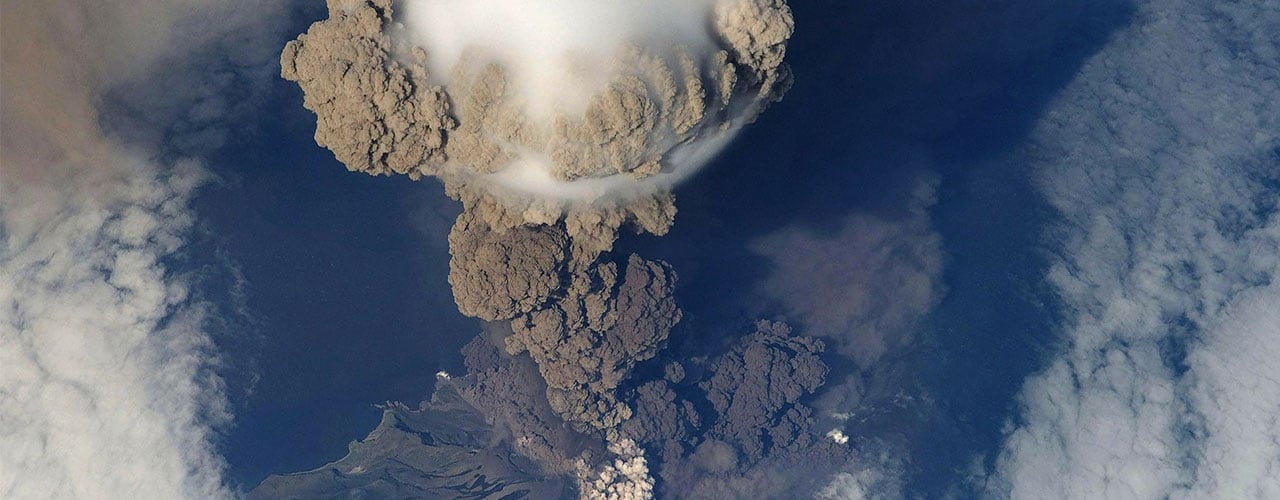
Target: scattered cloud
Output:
{"points": [[1165, 263], [852, 486], [109, 387]]}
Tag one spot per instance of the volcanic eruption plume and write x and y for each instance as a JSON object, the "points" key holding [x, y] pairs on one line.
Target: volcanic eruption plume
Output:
{"points": [[531, 112], [555, 123]]}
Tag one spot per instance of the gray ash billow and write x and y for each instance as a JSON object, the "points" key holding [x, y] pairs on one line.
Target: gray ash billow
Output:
{"points": [[552, 150]]}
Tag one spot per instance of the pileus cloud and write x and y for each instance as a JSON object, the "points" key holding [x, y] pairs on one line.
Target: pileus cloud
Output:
{"points": [[537, 109]]}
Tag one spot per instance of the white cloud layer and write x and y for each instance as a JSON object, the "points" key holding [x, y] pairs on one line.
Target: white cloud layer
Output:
{"points": [[1163, 160], [873, 478], [107, 387]]}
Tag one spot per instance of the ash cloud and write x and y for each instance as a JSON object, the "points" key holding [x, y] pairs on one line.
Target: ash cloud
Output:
{"points": [[587, 344], [868, 285], [532, 111], [757, 387], [510, 393], [557, 124], [501, 275]]}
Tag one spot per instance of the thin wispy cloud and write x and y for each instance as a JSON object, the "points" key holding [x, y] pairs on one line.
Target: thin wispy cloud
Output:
{"points": [[867, 285]]}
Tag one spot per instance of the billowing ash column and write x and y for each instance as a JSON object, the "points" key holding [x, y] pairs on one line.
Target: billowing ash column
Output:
{"points": [[538, 111], [555, 123]]}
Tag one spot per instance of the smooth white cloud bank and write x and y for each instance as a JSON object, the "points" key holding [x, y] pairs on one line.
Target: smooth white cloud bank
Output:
{"points": [[107, 388], [1163, 159]]}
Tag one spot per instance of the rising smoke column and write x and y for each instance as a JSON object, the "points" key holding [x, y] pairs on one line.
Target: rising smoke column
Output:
{"points": [[556, 124]]}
